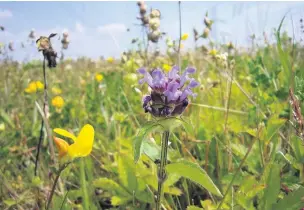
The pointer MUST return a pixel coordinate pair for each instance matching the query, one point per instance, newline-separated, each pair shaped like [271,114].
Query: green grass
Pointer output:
[237,149]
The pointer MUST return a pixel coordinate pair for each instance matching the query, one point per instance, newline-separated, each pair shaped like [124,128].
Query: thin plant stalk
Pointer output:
[44,122]
[226,122]
[180,34]
[49,201]
[83,184]
[237,172]
[162,168]
[38,146]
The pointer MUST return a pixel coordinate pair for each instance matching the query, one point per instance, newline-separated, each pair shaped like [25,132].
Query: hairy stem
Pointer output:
[162,168]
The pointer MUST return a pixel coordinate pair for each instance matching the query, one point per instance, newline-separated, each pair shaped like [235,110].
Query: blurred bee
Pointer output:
[2,28]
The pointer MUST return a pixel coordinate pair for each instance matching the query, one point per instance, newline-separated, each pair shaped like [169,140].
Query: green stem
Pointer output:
[54,185]
[236,173]
[162,168]
[83,185]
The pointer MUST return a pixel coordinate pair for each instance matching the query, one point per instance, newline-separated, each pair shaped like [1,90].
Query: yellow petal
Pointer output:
[62,146]
[65,133]
[84,143]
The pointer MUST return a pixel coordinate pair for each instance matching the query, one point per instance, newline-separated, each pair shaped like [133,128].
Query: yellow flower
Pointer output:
[184,37]
[31,88]
[98,77]
[58,102]
[213,52]
[56,90]
[82,145]
[39,85]
[166,67]
[110,59]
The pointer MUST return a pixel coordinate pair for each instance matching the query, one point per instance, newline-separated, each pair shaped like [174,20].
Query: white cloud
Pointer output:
[5,13]
[113,28]
[79,27]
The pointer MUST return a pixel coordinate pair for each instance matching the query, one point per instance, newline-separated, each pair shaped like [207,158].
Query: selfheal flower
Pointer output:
[169,95]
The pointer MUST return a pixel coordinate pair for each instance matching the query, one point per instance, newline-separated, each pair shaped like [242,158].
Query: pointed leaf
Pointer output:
[195,173]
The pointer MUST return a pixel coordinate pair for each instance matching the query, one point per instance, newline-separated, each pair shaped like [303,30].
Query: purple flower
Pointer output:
[169,96]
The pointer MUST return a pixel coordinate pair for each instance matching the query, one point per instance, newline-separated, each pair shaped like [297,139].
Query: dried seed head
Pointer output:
[139,3]
[155,13]
[11,46]
[143,9]
[145,20]
[208,22]
[154,23]
[206,33]
[32,34]
[154,36]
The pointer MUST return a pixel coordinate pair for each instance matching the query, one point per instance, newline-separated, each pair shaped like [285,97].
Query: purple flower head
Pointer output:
[169,96]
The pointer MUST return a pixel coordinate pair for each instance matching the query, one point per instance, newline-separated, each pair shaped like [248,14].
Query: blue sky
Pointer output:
[99,28]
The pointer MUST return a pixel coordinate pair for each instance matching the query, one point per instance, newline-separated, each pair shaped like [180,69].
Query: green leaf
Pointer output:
[282,54]
[195,173]
[272,186]
[6,118]
[193,208]
[292,201]
[110,185]
[138,142]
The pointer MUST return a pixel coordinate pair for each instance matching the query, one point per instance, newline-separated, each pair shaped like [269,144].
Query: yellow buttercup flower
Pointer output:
[58,102]
[82,144]
[110,59]
[213,52]
[98,77]
[184,36]
[39,85]
[56,90]
[166,67]
[33,87]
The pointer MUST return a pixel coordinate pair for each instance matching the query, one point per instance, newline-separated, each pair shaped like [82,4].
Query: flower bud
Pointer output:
[206,33]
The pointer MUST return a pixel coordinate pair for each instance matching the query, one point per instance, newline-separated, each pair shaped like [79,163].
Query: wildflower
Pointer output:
[213,52]
[56,91]
[34,86]
[166,67]
[98,77]
[39,85]
[31,88]
[58,102]
[82,144]
[184,37]
[169,95]
[110,59]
